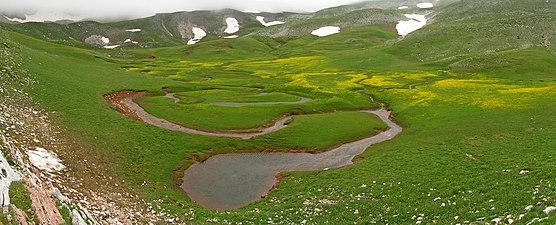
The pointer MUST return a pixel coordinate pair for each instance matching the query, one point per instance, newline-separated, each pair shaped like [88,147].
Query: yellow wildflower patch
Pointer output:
[535,90]
[380,81]
[490,102]
[416,97]
[352,83]
[417,76]
[298,63]
[460,83]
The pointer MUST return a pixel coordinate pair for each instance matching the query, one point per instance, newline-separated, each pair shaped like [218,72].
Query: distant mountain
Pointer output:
[472,27]
[169,29]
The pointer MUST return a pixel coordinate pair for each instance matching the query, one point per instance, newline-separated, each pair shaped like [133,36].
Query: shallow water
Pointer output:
[153,120]
[231,181]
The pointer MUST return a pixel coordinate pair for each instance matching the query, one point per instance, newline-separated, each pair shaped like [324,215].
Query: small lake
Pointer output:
[231,181]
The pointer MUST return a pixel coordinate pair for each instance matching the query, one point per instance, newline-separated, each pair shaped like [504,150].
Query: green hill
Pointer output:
[474,90]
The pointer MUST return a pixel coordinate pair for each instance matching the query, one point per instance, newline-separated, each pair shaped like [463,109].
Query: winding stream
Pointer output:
[231,181]
[123,101]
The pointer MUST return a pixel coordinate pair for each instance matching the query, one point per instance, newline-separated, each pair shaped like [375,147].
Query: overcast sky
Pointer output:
[139,8]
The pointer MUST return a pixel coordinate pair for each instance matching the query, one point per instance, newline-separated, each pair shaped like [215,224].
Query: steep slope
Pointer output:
[473,27]
[168,29]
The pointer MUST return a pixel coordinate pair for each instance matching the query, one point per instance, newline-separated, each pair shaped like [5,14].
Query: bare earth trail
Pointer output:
[232,181]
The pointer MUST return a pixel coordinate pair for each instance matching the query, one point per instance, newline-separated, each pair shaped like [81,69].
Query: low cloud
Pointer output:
[141,8]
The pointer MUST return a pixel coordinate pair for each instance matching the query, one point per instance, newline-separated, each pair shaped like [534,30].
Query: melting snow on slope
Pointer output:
[231,37]
[403,7]
[414,23]
[8,175]
[105,40]
[425,5]
[273,23]
[233,25]
[133,30]
[325,31]
[130,41]
[111,46]
[198,35]
[45,160]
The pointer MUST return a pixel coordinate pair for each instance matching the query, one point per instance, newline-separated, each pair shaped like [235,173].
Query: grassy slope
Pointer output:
[467,137]
[72,82]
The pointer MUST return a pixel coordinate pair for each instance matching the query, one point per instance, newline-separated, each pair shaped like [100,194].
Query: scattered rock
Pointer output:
[97,40]
[76,218]
[20,216]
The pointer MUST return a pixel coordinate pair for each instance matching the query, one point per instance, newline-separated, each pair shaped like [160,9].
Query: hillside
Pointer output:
[453,123]
[170,29]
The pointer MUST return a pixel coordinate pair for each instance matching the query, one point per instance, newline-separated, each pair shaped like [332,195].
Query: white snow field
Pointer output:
[415,22]
[45,160]
[273,23]
[425,5]
[326,31]
[198,35]
[232,25]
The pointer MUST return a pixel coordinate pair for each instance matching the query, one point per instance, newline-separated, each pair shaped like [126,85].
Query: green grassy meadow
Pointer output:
[471,126]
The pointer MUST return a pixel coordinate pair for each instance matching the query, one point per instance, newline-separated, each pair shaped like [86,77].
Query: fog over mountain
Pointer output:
[78,9]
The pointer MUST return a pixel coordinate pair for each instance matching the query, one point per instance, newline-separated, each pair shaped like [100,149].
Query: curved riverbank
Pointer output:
[231,181]
[123,101]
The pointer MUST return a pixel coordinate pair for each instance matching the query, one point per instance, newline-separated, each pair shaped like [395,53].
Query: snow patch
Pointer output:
[232,25]
[403,7]
[130,41]
[45,160]
[425,5]
[8,176]
[325,31]
[198,35]
[416,22]
[105,40]
[231,37]
[134,30]
[273,23]
[111,46]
